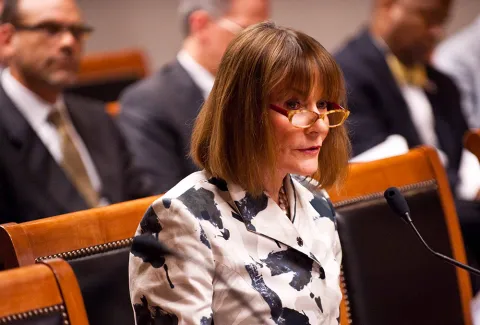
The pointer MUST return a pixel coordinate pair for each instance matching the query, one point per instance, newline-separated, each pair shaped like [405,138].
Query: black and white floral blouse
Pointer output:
[286,271]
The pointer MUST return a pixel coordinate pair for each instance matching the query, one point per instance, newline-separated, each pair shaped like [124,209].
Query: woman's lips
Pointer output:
[310,150]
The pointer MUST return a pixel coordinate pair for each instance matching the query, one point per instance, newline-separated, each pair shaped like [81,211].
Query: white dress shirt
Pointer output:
[459,57]
[202,78]
[35,110]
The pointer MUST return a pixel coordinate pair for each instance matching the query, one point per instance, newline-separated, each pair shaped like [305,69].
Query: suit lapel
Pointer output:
[443,104]
[394,102]
[31,157]
[264,217]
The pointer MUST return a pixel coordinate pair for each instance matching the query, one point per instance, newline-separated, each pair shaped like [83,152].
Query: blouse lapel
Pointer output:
[264,217]
[314,221]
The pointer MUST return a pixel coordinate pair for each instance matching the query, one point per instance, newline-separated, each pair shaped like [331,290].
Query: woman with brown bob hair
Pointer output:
[257,246]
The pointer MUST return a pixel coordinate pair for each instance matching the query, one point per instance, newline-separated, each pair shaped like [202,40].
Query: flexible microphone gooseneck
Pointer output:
[396,201]
[154,247]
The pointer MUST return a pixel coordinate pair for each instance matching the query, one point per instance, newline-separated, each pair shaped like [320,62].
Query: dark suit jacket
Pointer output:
[33,186]
[378,108]
[157,116]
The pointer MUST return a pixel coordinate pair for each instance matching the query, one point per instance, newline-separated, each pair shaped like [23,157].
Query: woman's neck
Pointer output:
[272,187]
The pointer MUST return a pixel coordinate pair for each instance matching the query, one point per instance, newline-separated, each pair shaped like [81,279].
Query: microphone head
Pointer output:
[396,201]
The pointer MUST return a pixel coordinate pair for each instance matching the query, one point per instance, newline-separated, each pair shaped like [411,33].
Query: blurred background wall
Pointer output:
[152,25]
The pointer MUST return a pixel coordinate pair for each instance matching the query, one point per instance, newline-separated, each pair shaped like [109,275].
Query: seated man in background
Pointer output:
[157,114]
[459,57]
[58,153]
[399,101]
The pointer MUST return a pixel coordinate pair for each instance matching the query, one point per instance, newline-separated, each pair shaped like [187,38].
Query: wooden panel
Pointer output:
[113,65]
[72,231]
[28,288]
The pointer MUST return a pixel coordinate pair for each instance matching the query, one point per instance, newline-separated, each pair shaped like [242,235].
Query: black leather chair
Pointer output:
[389,277]
[42,294]
[96,243]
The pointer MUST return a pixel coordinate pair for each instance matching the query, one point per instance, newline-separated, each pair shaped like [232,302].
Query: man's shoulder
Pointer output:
[85,105]
[90,115]
[441,79]
[161,85]
[84,100]
[353,47]
[358,57]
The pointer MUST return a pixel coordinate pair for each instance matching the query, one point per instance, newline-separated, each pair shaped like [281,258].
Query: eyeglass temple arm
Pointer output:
[279,109]
[336,106]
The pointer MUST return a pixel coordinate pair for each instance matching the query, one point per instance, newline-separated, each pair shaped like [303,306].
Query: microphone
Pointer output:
[396,201]
[153,247]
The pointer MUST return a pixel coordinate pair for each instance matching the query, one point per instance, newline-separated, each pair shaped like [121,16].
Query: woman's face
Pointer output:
[298,148]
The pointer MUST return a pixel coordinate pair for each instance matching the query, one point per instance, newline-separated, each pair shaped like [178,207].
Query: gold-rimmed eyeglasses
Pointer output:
[304,118]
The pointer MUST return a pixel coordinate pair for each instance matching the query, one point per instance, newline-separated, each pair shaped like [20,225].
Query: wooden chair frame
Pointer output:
[72,235]
[39,290]
[419,165]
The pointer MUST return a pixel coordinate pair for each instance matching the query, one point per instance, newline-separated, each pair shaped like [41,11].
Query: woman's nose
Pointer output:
[321,126]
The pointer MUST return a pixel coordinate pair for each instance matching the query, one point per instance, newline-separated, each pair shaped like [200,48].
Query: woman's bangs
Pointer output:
[330,78]
[310,77]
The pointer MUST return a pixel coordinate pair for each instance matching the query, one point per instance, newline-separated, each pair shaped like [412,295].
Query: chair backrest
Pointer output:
[104,76]
[96,244]
[471,141]
[388,276]
[41,294]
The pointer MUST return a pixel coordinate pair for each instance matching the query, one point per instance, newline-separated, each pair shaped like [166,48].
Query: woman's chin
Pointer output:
[306,170]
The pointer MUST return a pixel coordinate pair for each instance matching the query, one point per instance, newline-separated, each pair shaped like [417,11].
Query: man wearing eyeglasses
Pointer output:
[58,153]
[157,114]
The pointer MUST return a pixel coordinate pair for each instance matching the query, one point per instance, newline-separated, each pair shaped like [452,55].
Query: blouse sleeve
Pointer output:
[168,289]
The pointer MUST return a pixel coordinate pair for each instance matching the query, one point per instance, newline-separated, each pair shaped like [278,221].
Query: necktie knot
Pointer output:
[415,75]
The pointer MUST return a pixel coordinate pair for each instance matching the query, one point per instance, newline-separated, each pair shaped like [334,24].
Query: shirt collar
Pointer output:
[202,78]
[33,108]
[416,75]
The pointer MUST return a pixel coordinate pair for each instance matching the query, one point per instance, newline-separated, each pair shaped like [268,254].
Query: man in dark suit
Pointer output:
[377,97]
[157,114]
[399,101]
[58,153]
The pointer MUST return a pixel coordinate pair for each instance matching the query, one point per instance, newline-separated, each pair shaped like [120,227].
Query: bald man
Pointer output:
[157,113]
[399,101]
